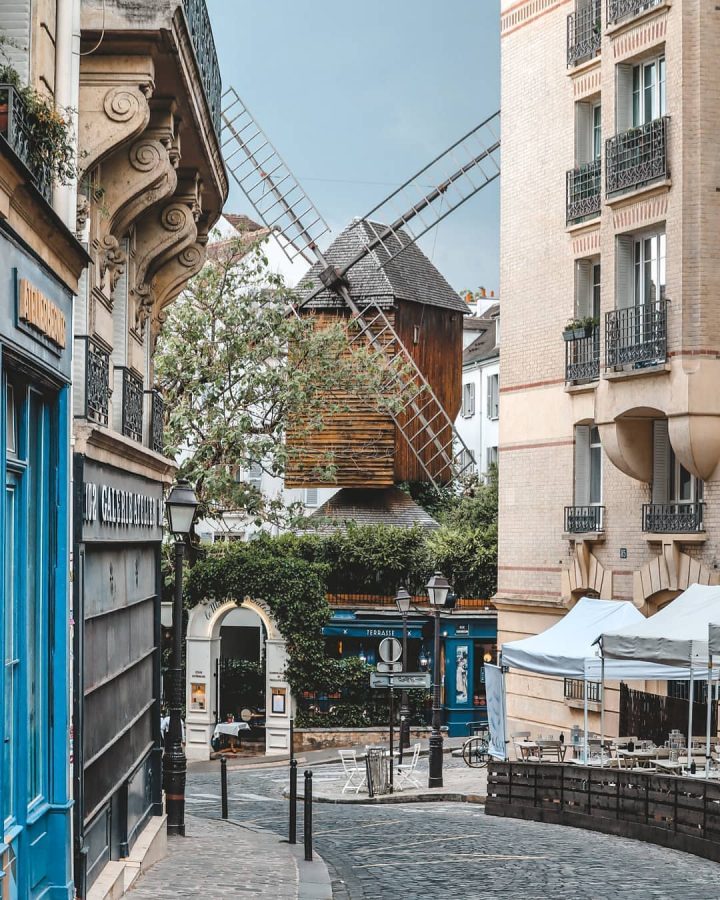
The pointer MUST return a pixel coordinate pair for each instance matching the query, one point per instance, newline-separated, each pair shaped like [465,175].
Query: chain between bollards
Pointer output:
[292,836]
[307,815]
[223,787]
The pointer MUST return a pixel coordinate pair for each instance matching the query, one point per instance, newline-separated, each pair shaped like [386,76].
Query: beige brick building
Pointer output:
[609,436]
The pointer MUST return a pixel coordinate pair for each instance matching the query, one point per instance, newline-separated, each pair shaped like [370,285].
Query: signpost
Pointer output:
[403,681]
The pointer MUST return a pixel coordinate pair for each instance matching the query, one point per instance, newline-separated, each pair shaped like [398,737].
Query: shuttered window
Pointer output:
[583,288]
[583,133]
[468,406]
[15,17]
[311,496]
[493,396]
[588,466]
[492,456]
[624,271]
[661,462]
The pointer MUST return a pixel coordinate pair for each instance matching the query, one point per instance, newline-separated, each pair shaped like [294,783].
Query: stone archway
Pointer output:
[203,651]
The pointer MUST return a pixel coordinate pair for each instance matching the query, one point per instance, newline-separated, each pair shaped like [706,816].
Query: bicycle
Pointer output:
[475,751]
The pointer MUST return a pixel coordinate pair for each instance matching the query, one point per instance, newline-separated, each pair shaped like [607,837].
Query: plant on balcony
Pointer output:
[580,328]
[50,145]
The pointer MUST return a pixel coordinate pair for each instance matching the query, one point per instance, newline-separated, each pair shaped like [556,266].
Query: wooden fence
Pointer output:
[652,717]
[682,813]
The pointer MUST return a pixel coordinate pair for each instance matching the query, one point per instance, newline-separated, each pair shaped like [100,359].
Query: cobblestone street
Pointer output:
[451,850]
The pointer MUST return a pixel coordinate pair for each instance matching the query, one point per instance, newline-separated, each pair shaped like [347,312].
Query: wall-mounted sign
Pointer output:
[116,506]
[119,506]
[43,317]
[278,701]
[197,696]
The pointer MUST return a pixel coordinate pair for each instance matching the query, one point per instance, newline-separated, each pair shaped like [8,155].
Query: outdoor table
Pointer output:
[232,729]
[527,748]
[639,757]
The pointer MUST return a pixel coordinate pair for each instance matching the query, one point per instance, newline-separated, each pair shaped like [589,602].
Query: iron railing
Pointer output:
[584,32]
[584,519]
[636,157]
[582,357]
[17,131]
[97,384]
[582,192]
[636,335]
[624,9]
[669,518]
[198,22]
[157,422]
[132,406]
[575,690]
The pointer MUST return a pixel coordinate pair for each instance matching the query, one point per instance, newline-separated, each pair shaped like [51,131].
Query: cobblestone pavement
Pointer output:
[452,851]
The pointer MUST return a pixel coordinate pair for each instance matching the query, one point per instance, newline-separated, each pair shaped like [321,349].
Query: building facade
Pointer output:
[610,427]
[152,184]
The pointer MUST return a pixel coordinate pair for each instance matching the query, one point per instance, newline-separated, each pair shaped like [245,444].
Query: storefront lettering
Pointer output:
[42,314]
[114,506]
[381,632]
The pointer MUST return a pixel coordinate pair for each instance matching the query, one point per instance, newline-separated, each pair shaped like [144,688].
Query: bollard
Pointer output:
[292,837]
[307,815]
[223,787]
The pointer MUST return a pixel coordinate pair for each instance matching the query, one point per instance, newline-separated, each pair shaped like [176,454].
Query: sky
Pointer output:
[358,97]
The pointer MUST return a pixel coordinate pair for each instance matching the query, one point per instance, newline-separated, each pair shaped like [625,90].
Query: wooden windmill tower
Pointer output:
[375,278]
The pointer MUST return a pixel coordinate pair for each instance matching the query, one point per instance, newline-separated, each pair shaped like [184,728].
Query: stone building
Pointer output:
[152,183]
[610,432]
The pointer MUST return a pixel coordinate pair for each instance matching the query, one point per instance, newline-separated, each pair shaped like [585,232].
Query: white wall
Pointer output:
[478,431]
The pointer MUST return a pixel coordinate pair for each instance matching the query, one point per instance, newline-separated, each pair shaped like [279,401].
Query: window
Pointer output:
[596,131]
[492,457]
[493,396]
[468,401]
[672,483]
[467,459]
[588,466]
[311,496]
[587,289]
[253,476]
[588,133]
[648,97]
[640,269]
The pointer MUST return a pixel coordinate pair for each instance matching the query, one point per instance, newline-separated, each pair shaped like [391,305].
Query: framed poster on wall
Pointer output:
[278,705]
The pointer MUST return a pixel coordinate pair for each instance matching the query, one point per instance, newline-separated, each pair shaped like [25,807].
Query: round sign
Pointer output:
[246,715]
[390,650]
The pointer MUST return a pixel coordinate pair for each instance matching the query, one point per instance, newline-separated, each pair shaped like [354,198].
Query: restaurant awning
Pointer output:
[370,630]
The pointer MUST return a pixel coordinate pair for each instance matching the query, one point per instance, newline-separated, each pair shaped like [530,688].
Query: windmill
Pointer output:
[420,419]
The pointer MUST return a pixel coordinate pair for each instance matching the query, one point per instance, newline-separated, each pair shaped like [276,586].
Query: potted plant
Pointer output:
[576,329]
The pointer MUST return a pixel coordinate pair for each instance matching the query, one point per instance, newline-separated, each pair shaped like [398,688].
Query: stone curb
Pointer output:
[445,797]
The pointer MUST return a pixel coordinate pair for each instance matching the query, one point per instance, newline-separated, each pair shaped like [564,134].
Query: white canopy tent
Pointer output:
[675,636]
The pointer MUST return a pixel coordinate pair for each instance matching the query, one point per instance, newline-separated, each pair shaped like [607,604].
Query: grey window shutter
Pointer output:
[661,462]
[471,399]
[583,133]
[489,398]
[623,98]
[582,465]
[583,288]
[15,16]
[624,271]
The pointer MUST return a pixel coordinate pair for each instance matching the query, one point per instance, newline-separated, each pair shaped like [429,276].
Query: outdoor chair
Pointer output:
[550,750]
[516,737]
[406,771]
[354,772]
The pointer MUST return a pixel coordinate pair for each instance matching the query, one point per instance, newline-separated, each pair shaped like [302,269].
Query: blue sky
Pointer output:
[357,97]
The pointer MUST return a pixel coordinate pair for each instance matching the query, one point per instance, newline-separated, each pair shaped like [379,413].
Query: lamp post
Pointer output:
[402,601]
[438,589]
[180,506]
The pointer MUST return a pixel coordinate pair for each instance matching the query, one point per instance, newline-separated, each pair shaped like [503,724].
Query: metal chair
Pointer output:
[354,772]
[516,737]
[406,771]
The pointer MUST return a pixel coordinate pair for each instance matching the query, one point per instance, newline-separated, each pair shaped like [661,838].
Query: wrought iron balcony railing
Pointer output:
[625,9]
[575,690]
[671,518]
[582,357]
[636,157]
[636,335]
[132,406]
[157,422]
[584,32]
[15,128]
[583,192]
[97,384]
[198,22]
[584,519]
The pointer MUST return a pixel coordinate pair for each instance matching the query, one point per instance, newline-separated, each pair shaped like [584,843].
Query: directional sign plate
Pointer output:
[408,681]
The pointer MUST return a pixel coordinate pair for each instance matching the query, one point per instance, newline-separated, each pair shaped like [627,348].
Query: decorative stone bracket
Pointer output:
[586,572]
[672,570]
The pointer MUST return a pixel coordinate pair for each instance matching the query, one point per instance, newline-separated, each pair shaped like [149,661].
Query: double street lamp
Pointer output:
[438,589]
[180,506]
[402,601]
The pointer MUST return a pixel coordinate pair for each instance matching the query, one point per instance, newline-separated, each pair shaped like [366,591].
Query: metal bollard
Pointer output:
[307,815]
[223,787]
[292,837]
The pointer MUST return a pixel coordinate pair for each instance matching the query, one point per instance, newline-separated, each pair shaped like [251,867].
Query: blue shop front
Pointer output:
[35,353]
[468,639]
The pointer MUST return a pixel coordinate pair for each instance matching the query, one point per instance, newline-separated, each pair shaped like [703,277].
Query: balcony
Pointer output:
[15,128]
[636,157]
[636,335]
[97,384]
[156,437]
[582,358]
[201,35]
[584,519]
[617,10]
[672,518]
[132,406]
[584,33]
[582,192]
[575,690]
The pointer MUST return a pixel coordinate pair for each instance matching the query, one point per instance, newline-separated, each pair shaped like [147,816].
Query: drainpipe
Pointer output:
[67,94]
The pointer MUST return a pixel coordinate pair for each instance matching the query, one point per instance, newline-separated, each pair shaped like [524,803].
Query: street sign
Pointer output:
[389,667]
[403,681]
[390,650]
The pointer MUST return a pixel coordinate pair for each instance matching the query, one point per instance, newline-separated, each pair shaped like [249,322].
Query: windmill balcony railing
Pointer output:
[617,10]
[672,518]
[636,335]
[132,406]
[584,32]
[584,519]
[15,129]
[582,357]
[201,35]
[636,157]
[583,192]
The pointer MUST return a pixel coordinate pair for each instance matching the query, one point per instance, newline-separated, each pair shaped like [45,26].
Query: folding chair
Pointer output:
[406,771]
[354,772]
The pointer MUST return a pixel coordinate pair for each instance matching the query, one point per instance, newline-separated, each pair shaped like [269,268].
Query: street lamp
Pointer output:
[402,601]
[180,506]
[438,589]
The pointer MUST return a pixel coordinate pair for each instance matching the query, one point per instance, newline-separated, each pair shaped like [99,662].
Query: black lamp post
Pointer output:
[402,601]
[180,507]
[438,589]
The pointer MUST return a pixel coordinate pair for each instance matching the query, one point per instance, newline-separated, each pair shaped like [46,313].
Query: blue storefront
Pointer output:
[35,353]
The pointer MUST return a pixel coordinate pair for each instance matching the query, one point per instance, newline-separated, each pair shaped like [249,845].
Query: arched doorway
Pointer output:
[201,695]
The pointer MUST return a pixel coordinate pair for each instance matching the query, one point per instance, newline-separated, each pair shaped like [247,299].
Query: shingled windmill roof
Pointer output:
[410,276]
[366,506]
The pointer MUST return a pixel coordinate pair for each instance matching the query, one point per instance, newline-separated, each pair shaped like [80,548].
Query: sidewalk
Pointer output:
[220,858]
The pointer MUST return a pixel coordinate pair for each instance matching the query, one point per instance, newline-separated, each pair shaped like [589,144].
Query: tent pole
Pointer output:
[690,717]
[585,717]
[709,716]
[602,710]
